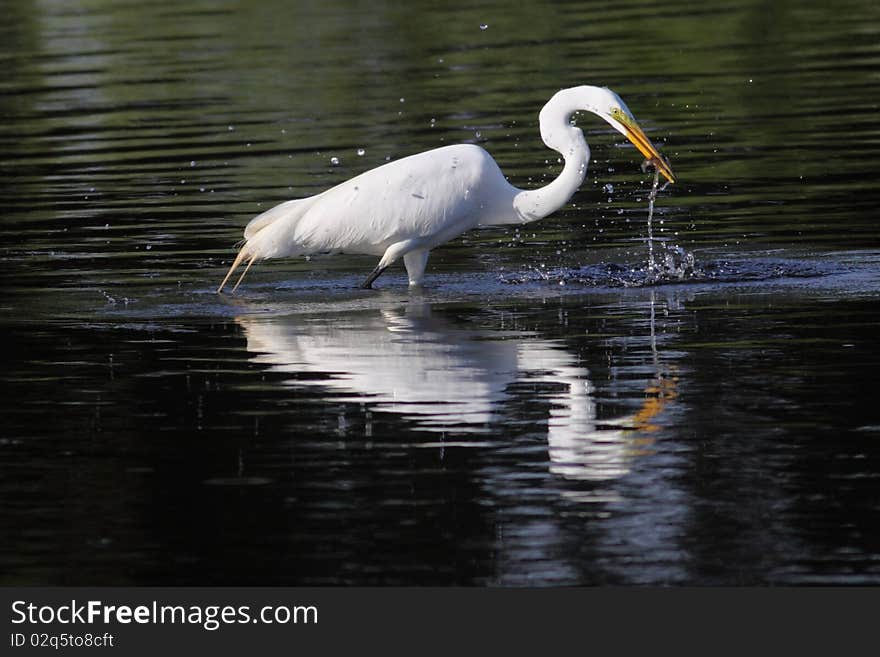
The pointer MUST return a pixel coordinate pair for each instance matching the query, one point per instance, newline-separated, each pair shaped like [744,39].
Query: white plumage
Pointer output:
[407,207]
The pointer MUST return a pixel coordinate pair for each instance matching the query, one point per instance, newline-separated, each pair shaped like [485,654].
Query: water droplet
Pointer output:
[149,246]
[334,161]
[192,163]
[484,26]
[361,152]
[609,188]
[230,128]
[477,134]
[402,99]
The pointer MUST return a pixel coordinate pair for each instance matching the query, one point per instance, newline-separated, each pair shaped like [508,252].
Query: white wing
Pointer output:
[435,196]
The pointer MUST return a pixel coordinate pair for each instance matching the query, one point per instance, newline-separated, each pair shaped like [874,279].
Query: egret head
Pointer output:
[612,108]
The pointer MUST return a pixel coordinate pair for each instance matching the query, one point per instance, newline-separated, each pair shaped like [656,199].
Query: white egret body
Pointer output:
[407,207]
[452,380]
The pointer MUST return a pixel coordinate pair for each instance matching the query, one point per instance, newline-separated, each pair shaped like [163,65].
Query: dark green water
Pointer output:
[533,415]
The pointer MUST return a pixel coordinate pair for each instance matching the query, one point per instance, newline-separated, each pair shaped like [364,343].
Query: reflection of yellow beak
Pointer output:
[661,392]
[636,136]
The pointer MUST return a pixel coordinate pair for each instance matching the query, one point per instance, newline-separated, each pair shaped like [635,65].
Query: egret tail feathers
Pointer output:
[246,270]
[235,263]
[289,210]
[255,241]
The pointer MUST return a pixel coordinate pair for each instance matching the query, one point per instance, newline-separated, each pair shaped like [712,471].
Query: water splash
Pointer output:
[677,265]
[651,198]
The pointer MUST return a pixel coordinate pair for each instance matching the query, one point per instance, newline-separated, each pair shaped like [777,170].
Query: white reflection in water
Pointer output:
[453,380]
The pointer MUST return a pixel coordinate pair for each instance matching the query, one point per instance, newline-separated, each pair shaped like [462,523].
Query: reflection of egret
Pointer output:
[447,379]
[573,434]
[402,363]
[406,208]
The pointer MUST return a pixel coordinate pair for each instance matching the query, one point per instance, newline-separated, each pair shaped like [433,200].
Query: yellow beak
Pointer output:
[640,140]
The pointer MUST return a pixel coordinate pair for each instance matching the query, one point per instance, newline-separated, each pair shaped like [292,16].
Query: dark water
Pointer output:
[536,414]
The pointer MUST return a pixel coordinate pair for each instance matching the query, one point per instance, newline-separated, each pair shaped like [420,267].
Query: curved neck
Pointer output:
[558,134]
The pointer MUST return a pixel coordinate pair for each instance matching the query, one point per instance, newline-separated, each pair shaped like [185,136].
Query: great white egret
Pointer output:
[407,207]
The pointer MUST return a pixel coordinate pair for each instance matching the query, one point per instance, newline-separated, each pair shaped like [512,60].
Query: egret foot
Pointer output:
[377,272]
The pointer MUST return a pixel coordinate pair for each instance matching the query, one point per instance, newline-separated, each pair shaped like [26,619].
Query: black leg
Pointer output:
[377,272]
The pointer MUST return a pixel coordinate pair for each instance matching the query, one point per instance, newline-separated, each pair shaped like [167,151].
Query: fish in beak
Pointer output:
[627,125]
